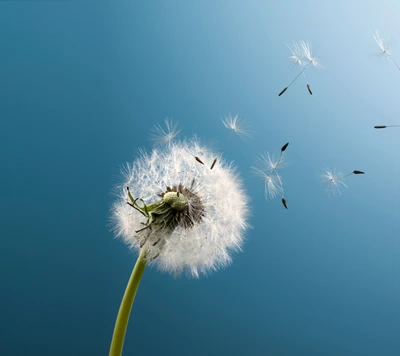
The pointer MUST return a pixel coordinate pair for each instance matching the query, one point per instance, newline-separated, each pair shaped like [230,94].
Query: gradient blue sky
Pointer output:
[83,83]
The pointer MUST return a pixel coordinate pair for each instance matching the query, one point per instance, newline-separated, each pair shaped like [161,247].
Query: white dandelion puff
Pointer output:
[164,137]
[196,239]
[237,125]
[385,48]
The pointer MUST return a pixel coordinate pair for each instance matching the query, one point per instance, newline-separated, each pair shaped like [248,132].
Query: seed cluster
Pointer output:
[179,213]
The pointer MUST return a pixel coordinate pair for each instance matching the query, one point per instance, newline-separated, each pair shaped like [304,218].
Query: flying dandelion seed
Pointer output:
[179,215]
[270,163]
[296,57]
[284,147]
[266,167]
[335,180]
[385,126]
[213,163]
[306,46]
[272,184]
[164,137]
[284,203]
[237,126]
[301,54]
[385,48]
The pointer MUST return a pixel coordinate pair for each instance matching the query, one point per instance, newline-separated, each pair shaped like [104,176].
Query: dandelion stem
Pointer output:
[117,341]
[393,60]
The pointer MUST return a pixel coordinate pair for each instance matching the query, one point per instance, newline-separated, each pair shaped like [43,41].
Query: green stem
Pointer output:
[121,323]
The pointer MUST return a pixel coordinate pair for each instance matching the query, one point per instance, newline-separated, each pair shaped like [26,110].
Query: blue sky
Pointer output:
[83,84]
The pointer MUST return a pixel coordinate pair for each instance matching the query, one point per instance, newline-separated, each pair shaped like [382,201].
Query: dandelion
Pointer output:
[302,55]
[164,137]
[237,126]
[384,47]
[266,167]
[335,180]
[179,215]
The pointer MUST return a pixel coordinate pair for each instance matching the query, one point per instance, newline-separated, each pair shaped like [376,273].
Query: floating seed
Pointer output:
[198,160]
[309,89]
[284,203]
[213,164]
[284,146]
[282,91]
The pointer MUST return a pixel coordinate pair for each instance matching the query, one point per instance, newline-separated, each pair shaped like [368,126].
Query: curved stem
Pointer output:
[121,323]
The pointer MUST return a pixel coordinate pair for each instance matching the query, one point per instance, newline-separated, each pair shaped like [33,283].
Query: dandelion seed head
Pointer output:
[237,126]
[201,213]
[334,181]
[164,137]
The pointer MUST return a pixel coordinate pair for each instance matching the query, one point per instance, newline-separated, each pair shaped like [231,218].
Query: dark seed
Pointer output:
[380,127]
[199,160]
[213,164]
[284,203]
[282,91]
[309,89]
[284,146]
[358,172]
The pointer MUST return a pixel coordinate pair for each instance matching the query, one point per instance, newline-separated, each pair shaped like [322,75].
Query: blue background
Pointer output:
[81,86]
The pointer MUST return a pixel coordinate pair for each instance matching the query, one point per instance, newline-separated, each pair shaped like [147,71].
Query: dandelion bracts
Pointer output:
[174,211]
